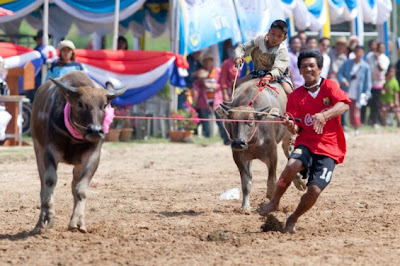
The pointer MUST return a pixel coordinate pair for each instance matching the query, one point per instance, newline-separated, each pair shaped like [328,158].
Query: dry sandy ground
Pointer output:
[157,204]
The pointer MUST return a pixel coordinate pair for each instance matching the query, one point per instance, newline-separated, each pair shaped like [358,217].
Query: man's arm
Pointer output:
[323,117]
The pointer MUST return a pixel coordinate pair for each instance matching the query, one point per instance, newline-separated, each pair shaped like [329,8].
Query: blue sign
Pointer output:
[206,22]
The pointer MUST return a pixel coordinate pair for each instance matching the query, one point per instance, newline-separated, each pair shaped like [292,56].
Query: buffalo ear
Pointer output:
[66,89]
[112,92]
[262,110]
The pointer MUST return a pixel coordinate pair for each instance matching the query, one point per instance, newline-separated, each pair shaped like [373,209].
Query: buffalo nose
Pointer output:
[239,144]
[94,129]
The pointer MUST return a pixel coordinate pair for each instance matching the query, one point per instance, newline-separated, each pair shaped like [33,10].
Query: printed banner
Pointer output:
[206,22]
[255,17]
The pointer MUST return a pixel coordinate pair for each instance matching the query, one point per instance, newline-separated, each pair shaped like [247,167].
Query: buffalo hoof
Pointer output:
[77,226]
[244,210]
[267,208]
[77,229]
[46,221]
[37,230]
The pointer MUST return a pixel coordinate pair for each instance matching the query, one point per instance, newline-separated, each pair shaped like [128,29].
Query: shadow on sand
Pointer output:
[18,236]
[182,213]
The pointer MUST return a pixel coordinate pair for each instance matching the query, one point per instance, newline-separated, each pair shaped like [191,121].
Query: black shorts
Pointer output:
[319,168]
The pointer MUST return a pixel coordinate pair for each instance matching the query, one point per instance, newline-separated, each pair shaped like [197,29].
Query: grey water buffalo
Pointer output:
[67,126]
[251,140]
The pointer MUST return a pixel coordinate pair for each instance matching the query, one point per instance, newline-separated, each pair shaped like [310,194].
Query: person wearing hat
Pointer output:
[353,43]
[338,56]
[66,62]
[208,90]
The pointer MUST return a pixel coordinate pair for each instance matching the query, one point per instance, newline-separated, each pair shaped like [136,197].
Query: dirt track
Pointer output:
[158,204]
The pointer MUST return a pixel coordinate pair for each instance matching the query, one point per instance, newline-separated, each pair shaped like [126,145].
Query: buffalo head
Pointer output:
[241,133]
[88,103]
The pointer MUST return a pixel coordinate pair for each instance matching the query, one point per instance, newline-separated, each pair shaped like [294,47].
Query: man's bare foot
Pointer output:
[290,225]
[267,208]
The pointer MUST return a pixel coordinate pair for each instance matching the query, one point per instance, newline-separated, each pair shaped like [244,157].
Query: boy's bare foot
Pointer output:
[267,208]
[290,225]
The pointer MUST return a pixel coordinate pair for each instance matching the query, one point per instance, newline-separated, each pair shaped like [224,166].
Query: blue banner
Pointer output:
[255,17]
[99,6]
[206,22]
[16,6]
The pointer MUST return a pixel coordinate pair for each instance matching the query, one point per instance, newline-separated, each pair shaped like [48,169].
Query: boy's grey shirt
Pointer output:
[274,60]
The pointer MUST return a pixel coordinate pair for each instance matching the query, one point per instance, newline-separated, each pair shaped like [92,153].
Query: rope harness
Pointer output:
[262,84]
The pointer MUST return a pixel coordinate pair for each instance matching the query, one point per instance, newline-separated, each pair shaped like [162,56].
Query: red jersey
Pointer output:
[301,104]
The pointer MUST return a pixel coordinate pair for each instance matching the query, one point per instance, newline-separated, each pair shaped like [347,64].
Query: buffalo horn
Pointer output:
[225,107]
[64,86]
[261,110]
[112,92]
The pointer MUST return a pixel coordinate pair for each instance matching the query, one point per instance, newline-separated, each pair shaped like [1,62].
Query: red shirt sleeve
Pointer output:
[337,94]
[291,106]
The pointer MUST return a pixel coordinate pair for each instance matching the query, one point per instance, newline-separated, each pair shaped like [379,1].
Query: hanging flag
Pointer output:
[145,73]
[17,56]
[5,12]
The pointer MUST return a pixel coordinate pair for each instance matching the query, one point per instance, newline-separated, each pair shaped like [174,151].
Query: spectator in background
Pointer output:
[189,93]
[294,51]
[311,43]
[228,74]
[372,45]
[353,43]
[227,49]
[379,64]
[122,43]
[390,97]
[398,66]
[194,65]
[38,78]
[338,57]
[206,87]
[66,63]
[323,48]
[303,38]
[355,78]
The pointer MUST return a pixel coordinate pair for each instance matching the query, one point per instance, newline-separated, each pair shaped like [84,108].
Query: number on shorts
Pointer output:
[326,175]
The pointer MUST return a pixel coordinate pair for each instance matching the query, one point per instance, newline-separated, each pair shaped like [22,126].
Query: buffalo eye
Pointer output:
[250,122]
[80,104]
[104,106]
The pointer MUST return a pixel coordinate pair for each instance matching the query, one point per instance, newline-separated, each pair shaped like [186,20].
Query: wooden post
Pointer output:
[27,76]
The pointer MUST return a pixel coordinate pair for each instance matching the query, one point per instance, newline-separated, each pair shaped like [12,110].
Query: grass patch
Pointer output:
[196,140]
[15,151]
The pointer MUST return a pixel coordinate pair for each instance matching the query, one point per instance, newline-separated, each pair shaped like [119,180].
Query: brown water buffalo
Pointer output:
[251,140]
[54,143]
